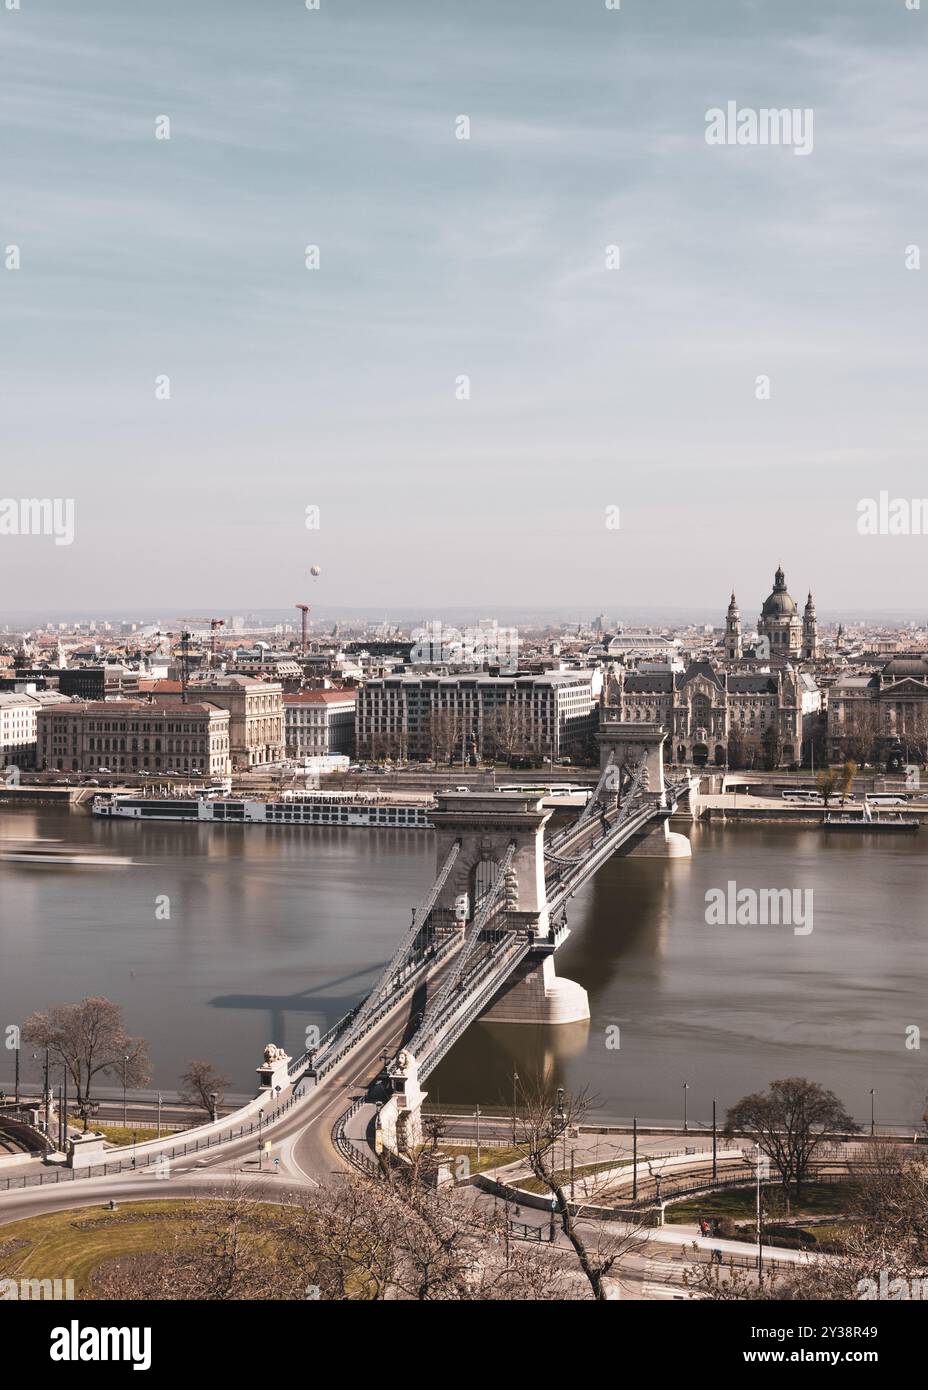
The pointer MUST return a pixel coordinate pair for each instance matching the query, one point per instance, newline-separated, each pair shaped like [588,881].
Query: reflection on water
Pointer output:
[272,929]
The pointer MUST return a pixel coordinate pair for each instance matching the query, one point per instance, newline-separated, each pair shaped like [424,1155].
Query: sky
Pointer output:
[596,394]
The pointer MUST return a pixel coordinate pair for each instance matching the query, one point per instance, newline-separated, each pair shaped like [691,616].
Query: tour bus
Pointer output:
[809,798]
[887,799]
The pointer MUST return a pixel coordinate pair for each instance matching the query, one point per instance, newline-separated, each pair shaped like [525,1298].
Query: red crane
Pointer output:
[304,610]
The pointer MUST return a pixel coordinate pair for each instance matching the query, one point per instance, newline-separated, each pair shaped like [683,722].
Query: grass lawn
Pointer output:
[70,1244]
[116,1134]
[817,1199]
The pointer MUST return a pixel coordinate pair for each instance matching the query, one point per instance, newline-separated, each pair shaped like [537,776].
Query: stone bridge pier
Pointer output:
[625,744]
[486,824]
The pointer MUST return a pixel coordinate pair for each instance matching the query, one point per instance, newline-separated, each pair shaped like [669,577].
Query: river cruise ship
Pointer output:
[325,808]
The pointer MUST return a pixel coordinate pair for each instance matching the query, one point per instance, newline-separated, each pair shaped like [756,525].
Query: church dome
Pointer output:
[779,604]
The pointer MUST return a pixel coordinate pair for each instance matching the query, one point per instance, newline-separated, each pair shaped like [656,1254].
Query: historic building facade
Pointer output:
[256,714]
[711,715]
[869,714]
[131,736]
[320,722]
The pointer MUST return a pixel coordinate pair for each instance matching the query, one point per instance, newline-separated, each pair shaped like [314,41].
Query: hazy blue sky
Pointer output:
[439,257]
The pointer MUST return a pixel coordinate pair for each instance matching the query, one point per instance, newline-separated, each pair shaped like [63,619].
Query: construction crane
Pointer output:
[214,625]
[184,664]
[304,610]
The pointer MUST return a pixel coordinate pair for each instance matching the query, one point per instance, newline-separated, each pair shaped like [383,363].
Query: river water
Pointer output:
[271,929]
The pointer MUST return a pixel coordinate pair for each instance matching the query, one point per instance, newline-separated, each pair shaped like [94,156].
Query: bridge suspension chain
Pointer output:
[404,949]
[625,810]
[605,777]
[479,920]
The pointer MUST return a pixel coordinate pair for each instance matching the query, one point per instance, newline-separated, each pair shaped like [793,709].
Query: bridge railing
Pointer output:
[447,948]
[486,979]
[346,1148]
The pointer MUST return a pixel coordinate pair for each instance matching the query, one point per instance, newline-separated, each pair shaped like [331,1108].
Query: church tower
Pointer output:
[733,630]
[809,631]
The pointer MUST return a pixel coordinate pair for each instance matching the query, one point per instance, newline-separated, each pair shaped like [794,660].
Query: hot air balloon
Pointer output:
[315,571]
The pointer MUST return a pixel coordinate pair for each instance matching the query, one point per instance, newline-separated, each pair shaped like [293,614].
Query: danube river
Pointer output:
[217,940]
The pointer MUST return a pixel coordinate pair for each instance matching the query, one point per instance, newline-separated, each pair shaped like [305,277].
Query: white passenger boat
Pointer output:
[354,809]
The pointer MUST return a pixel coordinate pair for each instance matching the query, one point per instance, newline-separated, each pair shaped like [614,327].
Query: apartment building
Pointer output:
[441,718]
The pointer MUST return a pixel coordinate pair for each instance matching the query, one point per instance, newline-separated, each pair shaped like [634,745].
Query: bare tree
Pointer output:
[200,1083]
[789,1121]
[89,1038]
[540,1123]
[846,778]
[827,781]
[354,1239]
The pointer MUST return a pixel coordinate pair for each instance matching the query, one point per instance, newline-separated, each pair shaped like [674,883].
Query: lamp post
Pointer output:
[686,1087]
[16,1082]
[715,1166]
[872,1120]
[47,1096]
[477,1117]
[760,1258]
[563,1127]
[635,1158]
[125,1070]
[515,1082]
[260,1150]
[159,1114]
[213,1098]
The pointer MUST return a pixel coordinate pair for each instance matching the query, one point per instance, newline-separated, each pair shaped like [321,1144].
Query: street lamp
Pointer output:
[125,1068]
[563,1127]
[159,1114]
[213,1098]
[872,1124]
[260,1150]
[47,1094]
[760,1258]
[515,1082]
[686,1087]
